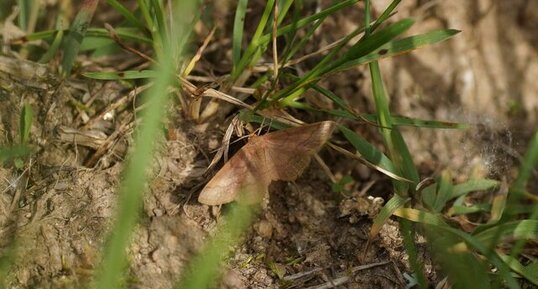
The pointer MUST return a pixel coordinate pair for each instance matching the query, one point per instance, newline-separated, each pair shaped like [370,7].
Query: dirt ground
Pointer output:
[60,205]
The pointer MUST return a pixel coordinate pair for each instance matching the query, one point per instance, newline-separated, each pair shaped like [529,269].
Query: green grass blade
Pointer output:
[308,20]
[396,120]
[129,74]
[473,186]
[25,11]
[54,47]
[407,230]
[128,15]
[528,272]
[386,126]
[283,7]
[367,150]
[401,46]
[162,28]
[237,36]
[530,161]
[517,230]
[408,166]
[462,267]
[518,188]
[373,42]
[463,210]
[419,216]
[443,192]
[130,194]
[205,268]
[385,15]
[334,98]
[76,34]
[123,33]
[415,122]
[292,49]
[388,209]
[152,25]
[148,18]
[96,43]
[130,200]
[27,117]
[255,47]
[490,255]
[328,63]
[475,243]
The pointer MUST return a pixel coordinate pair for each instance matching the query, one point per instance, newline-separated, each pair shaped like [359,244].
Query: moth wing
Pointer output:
[240,178]
[288,152]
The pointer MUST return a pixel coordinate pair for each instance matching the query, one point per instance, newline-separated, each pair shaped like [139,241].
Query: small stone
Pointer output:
[264,229]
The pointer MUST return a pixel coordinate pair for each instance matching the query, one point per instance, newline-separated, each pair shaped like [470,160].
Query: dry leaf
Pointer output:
[281,155]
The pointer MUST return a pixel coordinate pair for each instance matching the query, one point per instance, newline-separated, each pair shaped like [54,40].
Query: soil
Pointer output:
[61,203]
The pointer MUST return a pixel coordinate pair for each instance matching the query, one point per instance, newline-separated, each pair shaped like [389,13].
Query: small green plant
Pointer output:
[17,152]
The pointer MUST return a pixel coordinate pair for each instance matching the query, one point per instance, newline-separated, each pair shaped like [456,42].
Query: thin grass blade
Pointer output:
[422,123]
[237,36]
[308,20]
[516,230]
[463,268]
[27,117]
[328,63]
[128,15]
[76,34]
[408,166]
[205,268]
[473,186]
[388,210]
[131,191]
[255,47]
[528,272]
[401,46]
[373,42]
[25,11]
[367,150]
[128,74]
[419,216]
[518,188]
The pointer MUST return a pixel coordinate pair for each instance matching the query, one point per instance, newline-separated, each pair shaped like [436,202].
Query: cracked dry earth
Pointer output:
[60,204]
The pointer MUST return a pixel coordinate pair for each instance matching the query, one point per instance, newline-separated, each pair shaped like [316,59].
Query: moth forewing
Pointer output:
[281,155]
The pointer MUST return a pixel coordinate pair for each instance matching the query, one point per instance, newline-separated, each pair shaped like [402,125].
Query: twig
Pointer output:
[341,280]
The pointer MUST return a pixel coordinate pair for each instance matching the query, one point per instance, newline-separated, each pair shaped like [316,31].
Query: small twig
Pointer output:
[367,163]
[19,189]
[117,39]
[341,280]
[108,143]
[275,50]
[301,274]
[120,102]
[199,52]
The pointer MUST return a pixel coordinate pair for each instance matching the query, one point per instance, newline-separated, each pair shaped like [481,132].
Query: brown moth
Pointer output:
[281,155]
